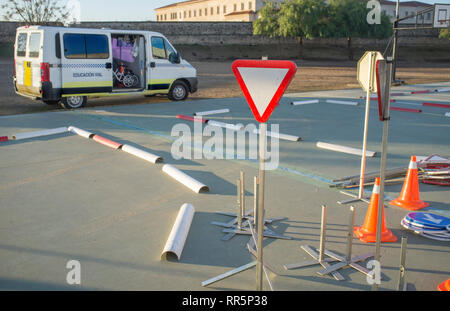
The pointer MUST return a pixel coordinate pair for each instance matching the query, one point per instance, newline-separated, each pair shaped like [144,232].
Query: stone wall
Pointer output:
[230,40]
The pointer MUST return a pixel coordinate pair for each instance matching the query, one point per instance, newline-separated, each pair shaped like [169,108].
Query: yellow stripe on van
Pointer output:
[88,84]
[27,73]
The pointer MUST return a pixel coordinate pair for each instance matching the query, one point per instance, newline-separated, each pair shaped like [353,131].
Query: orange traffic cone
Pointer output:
[444,286]
[368,232]
[409,197]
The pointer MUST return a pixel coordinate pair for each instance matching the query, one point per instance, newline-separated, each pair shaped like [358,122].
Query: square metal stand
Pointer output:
[318,257]
[241,222]
[252,243]
[348,260]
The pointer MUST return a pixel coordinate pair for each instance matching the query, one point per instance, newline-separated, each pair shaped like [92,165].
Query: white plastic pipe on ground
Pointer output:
[144,155]
[80,132]
[185,179]
[233,127]
[447,114]
[179,232]
[54,131]
[344,149]
[279,135]
[443,90]
[341,102]
[305,102]
[205,113]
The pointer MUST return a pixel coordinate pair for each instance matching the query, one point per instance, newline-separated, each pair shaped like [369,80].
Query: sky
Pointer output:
[132,10]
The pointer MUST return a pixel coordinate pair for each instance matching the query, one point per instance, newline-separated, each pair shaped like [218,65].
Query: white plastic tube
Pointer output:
[447,114]
[233,127]
[279,135]
[54,131]
[144,155]
[305,102]
[344,149]
[179,232]
[443,90]
[80,132]
[185,179]
[341,102]
[205,113]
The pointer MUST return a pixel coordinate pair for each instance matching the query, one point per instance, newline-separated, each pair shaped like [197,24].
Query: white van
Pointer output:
[67,65]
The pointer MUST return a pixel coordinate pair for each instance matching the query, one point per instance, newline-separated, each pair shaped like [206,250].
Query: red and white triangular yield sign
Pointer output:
[263,82]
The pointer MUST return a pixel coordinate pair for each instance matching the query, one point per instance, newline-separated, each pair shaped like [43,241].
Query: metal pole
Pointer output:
[323,229]
[238,214]
[395,43]
[366,123]
[260,220]
[383,172]
[401,279]
[351,223]
[242,199]
[255,201]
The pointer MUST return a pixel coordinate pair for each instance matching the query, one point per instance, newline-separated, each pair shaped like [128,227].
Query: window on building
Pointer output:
[235,7]
[242,6]
[406,13]
[249,5]
[200,12]
[206,11]
[224,9]
[212,11]
[189,13]
[195,13]
[428,16]
[184,14]
[218,10]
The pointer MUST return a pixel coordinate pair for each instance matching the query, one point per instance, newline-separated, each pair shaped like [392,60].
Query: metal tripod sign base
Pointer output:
[318,257]
[348,260]
[250,246]
[355,197]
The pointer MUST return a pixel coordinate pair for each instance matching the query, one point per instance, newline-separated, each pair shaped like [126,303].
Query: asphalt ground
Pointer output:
[64,197]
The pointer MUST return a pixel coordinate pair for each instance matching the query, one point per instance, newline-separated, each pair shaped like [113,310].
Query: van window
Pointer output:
[97,46]
[34,45]
[78,46]
[57,46]
[74,45]
[21,44]
[158,48]
[161,48]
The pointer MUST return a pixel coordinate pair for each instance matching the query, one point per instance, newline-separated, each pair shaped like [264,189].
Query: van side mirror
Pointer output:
[174,58]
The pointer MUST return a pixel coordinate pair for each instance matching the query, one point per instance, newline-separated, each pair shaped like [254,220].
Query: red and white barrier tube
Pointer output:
[305,102]
[341,102]
[185,179]
[193,119]
[406,109]
[54,131]
[107,142]
[3,138]
[144,155]
[180,229]
[436,105]
[205,113]
[80,132]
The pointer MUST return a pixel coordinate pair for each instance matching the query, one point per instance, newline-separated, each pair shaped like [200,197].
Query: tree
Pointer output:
[444,34]
[36,12]
[303,18]
[267,23]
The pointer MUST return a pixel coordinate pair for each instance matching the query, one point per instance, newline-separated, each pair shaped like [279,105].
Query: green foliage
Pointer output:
[267,24]
[444,34]
[36,12]
[314,18]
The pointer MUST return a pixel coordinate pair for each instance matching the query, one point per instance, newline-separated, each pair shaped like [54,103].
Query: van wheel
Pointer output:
[178,91]
[73,102]
[51,102]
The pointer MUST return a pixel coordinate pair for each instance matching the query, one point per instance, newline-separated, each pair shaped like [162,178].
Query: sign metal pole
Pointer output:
[260,215]
[386,117]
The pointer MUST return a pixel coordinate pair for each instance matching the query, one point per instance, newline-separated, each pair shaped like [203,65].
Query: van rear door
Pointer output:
[86,63]
[28,58]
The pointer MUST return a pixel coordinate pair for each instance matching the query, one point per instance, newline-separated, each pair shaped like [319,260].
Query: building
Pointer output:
[247,10]
[407,8]
[210,11]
